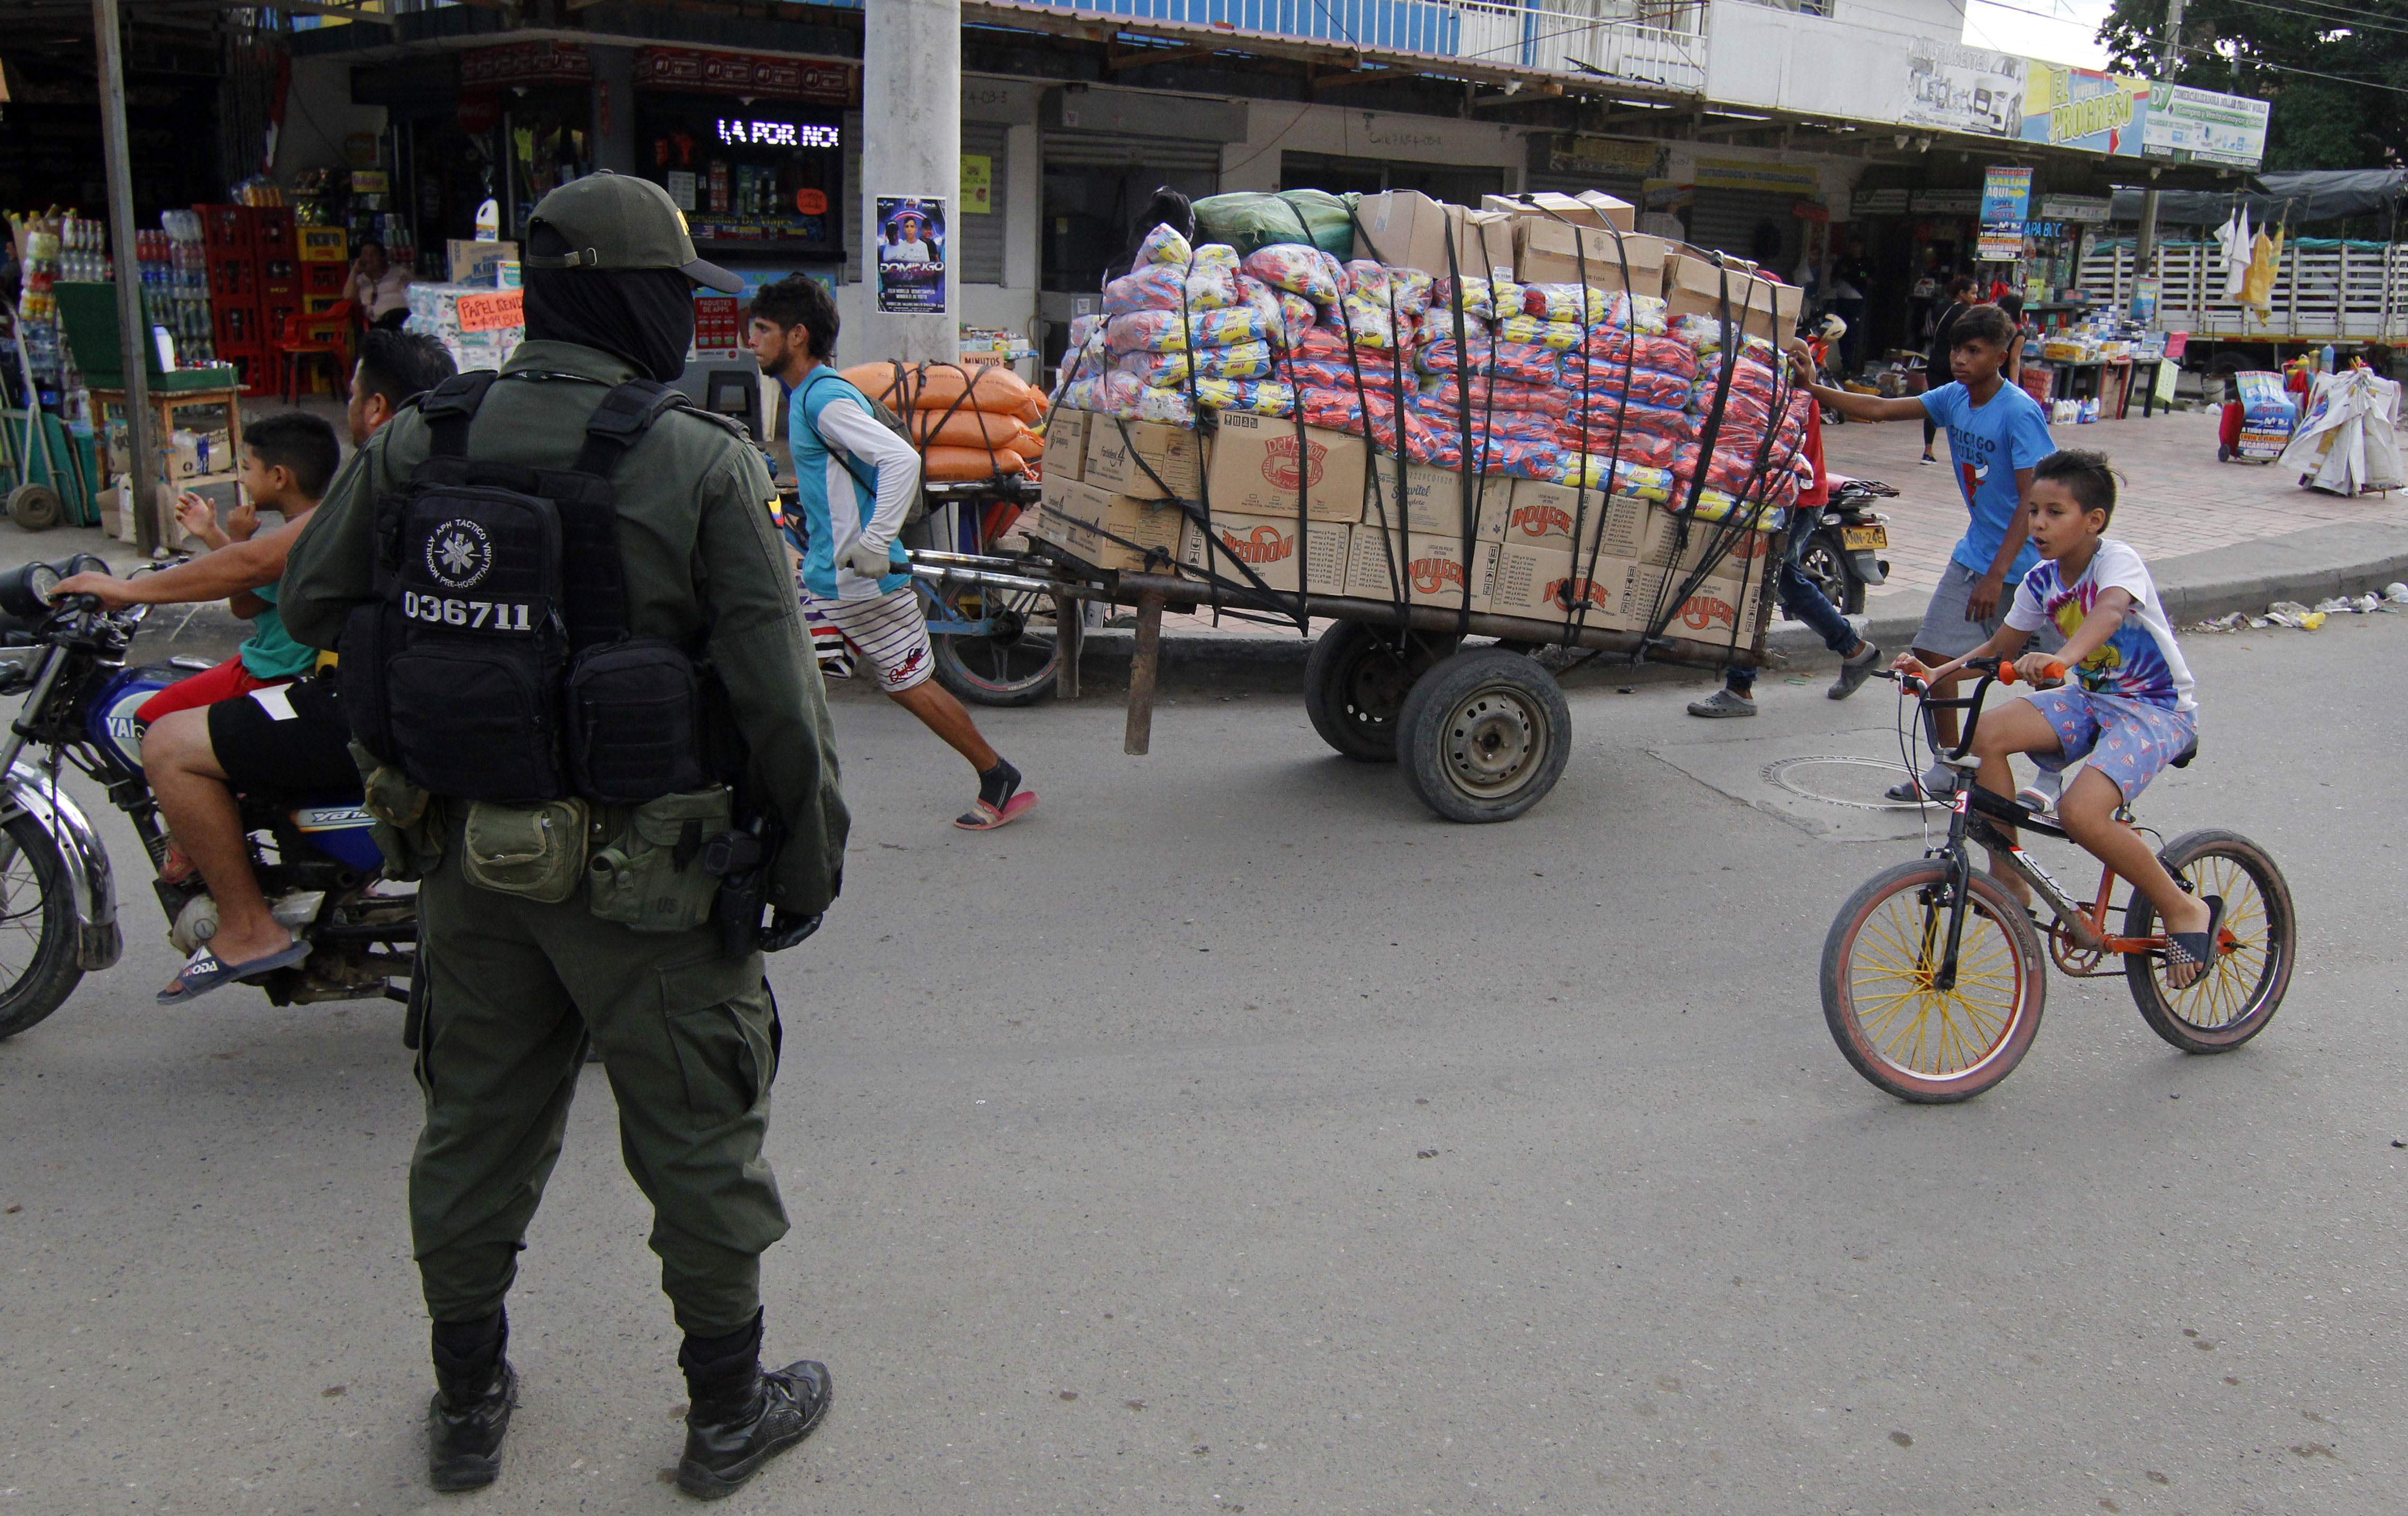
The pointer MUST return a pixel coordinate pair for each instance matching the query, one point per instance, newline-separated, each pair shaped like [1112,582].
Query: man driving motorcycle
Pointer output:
[258,734]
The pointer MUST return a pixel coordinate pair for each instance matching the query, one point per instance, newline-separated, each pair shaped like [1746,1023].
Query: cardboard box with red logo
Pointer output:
[1256,470]
[1434,569]
[1268,545]
[1434,499]
[1544,582]
[1713,610]
[1144,459]
[1543,515]
[1743,554]
[1066,444]
[1111,531]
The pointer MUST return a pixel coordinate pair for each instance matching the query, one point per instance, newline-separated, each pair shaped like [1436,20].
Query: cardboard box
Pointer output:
[1541,583]
[1611,209]
[1434,499]
[1772,313]
[479,263]
[1746,555]
[1433,567]
[1269,546]
[1256,470]
[1111,531]
[1173,454]
[1545,205]
[193,454]
[1406,229]
[1711,612]
[1551,253]
[1543,516]
[1693,286]
[1066,444]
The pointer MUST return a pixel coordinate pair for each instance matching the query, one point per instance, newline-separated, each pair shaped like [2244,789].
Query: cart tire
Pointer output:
[1356,685]
[1483,736]
[36,507]
[1824,561]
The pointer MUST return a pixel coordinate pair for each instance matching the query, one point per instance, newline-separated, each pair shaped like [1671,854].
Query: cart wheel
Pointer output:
[35,507]
[1354,685]
[1483,736]
[1015,664]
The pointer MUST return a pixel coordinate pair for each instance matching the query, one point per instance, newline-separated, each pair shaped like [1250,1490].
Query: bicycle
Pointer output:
[1932,980]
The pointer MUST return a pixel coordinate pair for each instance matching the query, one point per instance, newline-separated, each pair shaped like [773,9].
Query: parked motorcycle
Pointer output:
[1842,555]
[317,862]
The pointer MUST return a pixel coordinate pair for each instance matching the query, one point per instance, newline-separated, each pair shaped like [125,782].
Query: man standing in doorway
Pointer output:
[854,480]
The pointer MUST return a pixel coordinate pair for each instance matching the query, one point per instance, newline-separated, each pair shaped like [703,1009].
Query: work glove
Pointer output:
[870,560]
[787,927]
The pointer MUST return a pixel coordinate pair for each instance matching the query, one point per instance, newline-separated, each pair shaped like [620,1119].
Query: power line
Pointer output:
[2299,9]
[2285,69]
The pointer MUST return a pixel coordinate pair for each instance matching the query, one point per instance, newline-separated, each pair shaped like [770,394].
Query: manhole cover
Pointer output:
[1857,783]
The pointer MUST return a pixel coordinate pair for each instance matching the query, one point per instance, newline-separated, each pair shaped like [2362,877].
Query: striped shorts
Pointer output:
[888,632]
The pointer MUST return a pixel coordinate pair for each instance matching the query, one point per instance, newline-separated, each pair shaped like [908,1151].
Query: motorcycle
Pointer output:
[1842,553]
[317,861]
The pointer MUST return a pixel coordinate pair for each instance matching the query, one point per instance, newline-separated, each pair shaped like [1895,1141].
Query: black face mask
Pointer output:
[643,315]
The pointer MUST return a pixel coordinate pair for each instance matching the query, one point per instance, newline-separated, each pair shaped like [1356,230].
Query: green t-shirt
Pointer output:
[271,653]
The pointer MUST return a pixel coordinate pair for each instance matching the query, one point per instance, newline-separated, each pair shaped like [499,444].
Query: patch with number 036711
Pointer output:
[472,615]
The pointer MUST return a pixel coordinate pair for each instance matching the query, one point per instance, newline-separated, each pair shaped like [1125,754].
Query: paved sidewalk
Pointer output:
[2176,498]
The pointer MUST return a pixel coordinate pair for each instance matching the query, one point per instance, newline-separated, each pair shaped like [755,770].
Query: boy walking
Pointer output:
[855,480]
[2128,709]
[1997,434]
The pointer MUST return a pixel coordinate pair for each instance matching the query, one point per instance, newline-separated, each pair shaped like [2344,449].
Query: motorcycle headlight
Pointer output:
[26,591]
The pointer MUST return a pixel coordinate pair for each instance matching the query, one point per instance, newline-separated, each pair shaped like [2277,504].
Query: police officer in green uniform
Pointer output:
[581,877]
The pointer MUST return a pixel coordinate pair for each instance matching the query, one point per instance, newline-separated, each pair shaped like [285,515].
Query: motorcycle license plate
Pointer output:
[1859,539]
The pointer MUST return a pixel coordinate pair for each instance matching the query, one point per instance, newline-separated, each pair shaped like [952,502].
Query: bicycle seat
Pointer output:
[2182,760]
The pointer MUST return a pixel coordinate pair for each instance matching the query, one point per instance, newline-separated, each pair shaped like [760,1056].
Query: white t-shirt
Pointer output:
[2142,661]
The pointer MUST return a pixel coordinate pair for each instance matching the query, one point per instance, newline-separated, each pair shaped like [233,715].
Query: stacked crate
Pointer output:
[238,284]
[325,267]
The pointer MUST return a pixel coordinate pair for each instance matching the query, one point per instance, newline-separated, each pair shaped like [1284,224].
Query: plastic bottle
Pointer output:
[2325,359]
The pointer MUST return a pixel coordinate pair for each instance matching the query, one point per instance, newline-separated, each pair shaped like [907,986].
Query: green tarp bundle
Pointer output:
[1247,219]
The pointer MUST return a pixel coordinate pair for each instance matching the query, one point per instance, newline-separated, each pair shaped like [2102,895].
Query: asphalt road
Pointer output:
[1233,1136]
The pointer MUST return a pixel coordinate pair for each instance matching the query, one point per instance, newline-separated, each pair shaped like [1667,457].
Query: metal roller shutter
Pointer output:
[978,239]
[1622,189]
[1167,156]
[1729,221]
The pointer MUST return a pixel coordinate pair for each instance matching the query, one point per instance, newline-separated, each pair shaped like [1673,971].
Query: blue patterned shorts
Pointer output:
[2130,742]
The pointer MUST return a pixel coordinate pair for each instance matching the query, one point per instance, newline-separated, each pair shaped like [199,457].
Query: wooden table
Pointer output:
[164,404]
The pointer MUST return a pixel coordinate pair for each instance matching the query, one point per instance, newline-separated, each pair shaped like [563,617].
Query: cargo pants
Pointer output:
[689,1039]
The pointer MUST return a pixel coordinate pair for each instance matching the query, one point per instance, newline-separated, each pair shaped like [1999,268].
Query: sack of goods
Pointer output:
[1269,415]
[970,421]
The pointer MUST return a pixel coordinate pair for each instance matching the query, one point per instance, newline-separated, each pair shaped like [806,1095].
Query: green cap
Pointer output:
[614,222]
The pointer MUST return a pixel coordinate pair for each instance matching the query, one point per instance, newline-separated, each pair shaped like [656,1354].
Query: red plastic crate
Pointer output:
[237,324]
[232,277]
[272,229]
[272,312]
[225,228]
[254,366]
[279,278]
[325,278]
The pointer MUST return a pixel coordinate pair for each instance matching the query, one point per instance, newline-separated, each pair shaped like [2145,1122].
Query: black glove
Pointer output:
[786,928]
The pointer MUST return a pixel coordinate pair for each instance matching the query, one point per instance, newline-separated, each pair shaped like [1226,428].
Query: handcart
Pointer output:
[990,648]
[1480,728]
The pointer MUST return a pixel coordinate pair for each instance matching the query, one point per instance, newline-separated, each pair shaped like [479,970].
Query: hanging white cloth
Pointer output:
[2348,439]
[2235,237]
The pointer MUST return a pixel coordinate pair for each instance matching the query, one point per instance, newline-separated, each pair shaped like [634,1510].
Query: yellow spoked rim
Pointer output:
[1908,1023]
[2230,991]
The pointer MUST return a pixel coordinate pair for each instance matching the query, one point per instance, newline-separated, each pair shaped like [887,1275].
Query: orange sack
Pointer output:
[967,429]
[941,464]
[938,386]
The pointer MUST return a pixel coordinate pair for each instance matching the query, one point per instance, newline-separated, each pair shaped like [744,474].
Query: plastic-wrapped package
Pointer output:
[1605,346]
[1265,397]
[1111,393]
[1165,331]
[1297,318]
[1171,407]
[1165,247]
[1604,415]
[1476,296]
[1216,258]
[1245,360]
[1263,300]
[1160,287]
[1297,268]
[1628,445]
[1649,316]
[1493,454]
[1498,395]
[1610,383]
[1571,302]
[1514,425]
[1557,334]
[1526,363]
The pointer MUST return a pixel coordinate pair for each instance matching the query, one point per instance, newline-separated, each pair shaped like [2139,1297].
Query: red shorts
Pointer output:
[225,682]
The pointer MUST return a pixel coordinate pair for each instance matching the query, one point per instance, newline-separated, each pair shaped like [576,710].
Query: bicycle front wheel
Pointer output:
[1902,1032]
[2240,992]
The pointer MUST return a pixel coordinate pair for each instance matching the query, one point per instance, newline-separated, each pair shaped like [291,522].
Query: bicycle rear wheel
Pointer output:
[2240,992]
[1902,1034]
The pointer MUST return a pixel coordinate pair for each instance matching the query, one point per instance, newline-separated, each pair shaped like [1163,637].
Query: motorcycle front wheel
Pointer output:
[37,929]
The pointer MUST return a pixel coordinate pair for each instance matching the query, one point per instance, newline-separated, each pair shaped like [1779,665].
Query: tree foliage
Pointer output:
[2253,47]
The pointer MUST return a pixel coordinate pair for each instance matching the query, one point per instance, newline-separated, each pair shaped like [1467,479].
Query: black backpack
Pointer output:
[495,663]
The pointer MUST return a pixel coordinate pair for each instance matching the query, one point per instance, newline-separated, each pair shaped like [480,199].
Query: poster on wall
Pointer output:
[1963,89]
[978,184]
[911,254]
[2006,204]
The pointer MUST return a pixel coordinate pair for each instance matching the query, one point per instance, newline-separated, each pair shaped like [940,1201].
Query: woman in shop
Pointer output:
[380,290]
[1962,293]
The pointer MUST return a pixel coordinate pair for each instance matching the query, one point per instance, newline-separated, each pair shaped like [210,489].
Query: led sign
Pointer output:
[778,134]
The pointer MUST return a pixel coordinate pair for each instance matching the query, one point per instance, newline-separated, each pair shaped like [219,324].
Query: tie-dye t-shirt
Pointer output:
[2141,662]
[1986,445]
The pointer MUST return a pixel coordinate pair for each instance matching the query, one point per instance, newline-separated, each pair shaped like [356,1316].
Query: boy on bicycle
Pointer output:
[2128,709]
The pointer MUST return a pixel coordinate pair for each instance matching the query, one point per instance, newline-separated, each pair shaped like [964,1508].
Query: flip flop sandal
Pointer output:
[986,817]
[203,973]
[2186,947]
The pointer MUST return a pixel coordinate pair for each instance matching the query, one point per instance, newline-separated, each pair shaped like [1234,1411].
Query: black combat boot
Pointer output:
[475,1388]
[741,1415]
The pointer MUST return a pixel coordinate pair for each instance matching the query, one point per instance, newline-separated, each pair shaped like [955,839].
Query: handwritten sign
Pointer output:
[491,313]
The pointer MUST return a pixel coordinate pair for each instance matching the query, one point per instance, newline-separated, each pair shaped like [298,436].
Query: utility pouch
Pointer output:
[408,831]
[635,722]
[536,851]
[653,877]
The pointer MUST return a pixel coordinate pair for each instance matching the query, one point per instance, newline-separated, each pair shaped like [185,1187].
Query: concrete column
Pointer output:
[613,131]
[911,144]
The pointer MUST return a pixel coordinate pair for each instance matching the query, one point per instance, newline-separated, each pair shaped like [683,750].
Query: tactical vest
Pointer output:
[494,662]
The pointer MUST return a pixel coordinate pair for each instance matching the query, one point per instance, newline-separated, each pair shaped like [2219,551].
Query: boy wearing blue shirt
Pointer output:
[1997,433]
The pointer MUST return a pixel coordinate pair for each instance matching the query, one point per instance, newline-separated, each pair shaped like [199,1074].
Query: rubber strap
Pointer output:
[450,407]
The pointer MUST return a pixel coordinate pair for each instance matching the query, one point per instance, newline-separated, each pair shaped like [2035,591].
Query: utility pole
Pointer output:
[912,147]
[2144,252]
[133,330]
